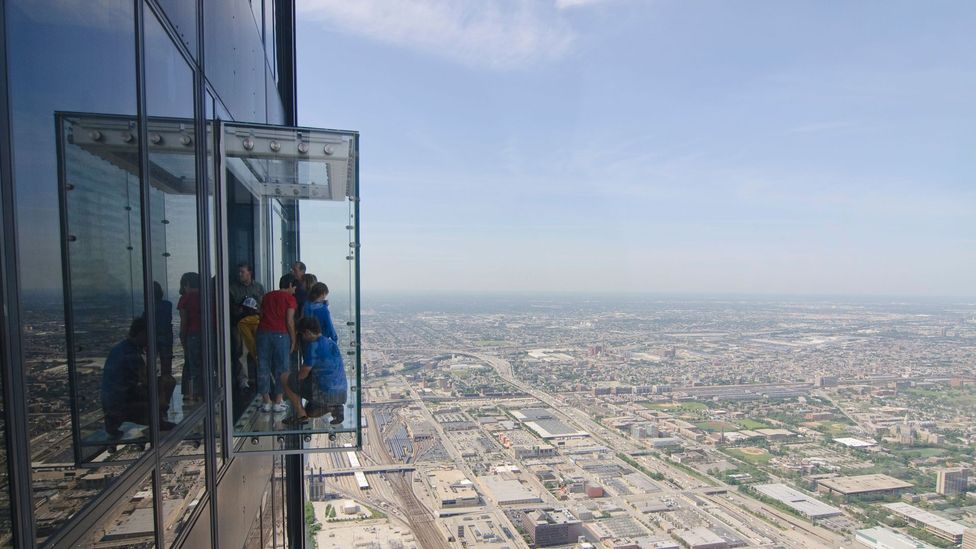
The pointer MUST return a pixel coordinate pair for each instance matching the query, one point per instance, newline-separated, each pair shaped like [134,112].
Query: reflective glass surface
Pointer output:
[305,328]
[173,218]
[270,44]
[130,523]
[68,57]
[182,14]
[104,286]
[6,524]
[234,59]
[183,478]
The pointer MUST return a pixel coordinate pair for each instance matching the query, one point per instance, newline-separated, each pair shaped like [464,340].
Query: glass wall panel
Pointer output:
[182,14]
[235,60]
[66,56]
[270,39]
[183,482]
[130,523]
[274,171]
[276,112]
[173,216]
[104,286]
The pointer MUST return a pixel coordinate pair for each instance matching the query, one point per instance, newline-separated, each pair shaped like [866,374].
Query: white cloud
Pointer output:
[567,4]
[498,34]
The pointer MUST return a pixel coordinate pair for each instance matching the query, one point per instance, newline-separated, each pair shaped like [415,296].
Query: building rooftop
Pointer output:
[532,414]
[552,516]
[553,428]
[700,536]
[928,519]
[799,501]
[883,537]
[508,491]
[861,484]
[854,442]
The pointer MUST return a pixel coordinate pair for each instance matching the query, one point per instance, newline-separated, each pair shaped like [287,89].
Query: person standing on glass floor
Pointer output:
[276,342]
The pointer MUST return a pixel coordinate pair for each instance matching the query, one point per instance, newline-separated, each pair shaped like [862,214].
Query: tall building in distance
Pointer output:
[952,481]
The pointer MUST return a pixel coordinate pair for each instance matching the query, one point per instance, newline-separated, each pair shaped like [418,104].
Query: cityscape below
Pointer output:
[653,422]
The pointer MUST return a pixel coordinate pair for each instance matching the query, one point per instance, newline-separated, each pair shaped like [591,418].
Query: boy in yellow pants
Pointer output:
[247,327]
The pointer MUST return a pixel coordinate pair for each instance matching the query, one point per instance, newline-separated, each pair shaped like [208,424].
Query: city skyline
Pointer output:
[653,147]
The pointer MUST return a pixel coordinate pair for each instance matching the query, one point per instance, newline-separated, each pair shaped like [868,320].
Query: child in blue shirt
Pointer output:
[318,306]
[321,380]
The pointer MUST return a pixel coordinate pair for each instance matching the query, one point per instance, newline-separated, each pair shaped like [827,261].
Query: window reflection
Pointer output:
[183,483]
[66,56]
[128,524]
[6,522]
[104,288]
[125,392]
[173,221]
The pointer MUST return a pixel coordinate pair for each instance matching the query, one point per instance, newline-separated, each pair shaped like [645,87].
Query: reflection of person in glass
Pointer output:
[321,380]
[164,342]
[190,326]
[244,322]
[317,306]
[276,341]
[125,389]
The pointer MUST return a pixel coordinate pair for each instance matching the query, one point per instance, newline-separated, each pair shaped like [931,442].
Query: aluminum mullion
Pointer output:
[147,264]
[11,361]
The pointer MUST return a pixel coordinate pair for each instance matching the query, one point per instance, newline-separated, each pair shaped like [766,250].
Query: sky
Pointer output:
[654,146]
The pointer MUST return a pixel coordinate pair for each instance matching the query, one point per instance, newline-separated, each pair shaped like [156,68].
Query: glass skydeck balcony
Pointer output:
[264,178]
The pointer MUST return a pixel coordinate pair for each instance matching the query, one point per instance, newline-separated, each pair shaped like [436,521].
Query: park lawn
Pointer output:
[835,427]
[752,424]
[715,426]
[915,453]
[753,458]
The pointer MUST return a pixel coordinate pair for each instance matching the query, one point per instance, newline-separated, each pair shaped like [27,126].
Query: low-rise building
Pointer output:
[939,526]
[453,489]
[798,501]
[551,527]
[862,486]
[883,538]
[702,538]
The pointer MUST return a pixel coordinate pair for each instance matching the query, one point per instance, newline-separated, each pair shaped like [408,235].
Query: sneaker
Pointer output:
[337,419]
[266,407]
[280,407]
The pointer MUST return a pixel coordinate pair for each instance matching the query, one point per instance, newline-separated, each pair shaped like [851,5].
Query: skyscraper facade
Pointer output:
[113,408]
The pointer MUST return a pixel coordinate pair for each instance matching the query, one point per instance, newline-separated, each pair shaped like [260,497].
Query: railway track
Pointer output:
[421,520]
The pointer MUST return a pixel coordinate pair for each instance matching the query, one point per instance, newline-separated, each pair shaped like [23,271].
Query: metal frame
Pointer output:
[14,412]
[69,316]
[147,274]
[282,443]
